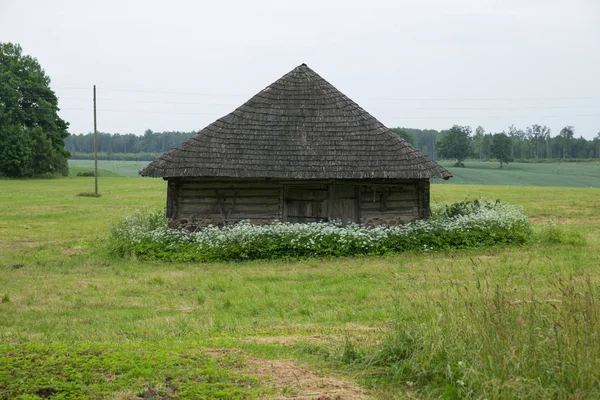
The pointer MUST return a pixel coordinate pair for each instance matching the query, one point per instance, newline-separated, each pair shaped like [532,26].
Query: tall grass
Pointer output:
[494,340]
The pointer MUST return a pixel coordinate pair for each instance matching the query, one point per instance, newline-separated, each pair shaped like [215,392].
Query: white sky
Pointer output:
[179,65]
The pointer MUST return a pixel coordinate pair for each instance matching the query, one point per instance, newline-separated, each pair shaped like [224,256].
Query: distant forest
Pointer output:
[530,144]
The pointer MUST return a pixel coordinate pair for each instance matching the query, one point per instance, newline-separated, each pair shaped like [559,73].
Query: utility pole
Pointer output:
[95,149]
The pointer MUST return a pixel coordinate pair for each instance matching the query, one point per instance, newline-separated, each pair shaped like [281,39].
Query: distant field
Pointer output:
[474,173]
[112,168]
[524,174]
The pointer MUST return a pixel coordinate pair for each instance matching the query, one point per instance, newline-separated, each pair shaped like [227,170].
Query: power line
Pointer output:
[395,117]
[400,107]
[487,99]
[185,92]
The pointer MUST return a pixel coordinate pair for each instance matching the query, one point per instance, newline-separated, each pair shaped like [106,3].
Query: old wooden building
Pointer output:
[298,151]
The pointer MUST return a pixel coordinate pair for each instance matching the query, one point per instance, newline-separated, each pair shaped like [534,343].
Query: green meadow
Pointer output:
[506,322]
[526,174]
[108,168]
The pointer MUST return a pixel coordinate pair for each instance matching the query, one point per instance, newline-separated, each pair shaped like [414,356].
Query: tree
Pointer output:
[520,143]
[478,142]
[403,133]
[456,144]
[565,140]
[538,136]
[501,148]
[32,135]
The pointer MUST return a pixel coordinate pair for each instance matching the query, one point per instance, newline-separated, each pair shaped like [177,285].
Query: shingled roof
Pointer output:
[300,127]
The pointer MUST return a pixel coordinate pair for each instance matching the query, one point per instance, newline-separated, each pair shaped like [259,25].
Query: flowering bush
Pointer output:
[478,224]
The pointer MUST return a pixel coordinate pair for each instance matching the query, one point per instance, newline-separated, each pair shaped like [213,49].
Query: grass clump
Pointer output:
[86,173]
[554,234]
[88,194]
[474,224]
[493,341]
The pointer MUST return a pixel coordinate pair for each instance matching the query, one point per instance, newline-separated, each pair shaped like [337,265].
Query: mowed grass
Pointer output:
[74,322]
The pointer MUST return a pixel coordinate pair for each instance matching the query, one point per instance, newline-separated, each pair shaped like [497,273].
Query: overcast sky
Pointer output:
[179,65]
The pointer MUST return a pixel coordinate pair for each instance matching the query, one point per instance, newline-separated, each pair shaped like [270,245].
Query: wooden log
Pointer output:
[240,200]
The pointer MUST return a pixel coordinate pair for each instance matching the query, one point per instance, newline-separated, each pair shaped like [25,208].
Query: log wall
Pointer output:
[212,201]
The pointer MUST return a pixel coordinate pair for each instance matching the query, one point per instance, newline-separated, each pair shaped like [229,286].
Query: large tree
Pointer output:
[456,144]
[565,140]
[32,135]
[500,148]
[538,136]
[478,148]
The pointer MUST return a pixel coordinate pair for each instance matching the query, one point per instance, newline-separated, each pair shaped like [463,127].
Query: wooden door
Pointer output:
[305,203]
[343,203]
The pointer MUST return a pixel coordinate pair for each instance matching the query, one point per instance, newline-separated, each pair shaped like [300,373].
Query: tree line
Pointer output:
[149,142]
[533,143]
[459,142]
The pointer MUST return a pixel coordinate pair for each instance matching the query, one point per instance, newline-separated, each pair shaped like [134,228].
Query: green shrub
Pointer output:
[552,233]
[478,224]
[86,173]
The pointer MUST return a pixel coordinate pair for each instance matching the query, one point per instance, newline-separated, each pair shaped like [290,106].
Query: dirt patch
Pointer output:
[46,392]
[17,244]
[289,380]
[290,340]
[292,381]
[74,251]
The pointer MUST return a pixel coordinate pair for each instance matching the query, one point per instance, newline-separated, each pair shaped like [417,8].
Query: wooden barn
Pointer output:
[298,151]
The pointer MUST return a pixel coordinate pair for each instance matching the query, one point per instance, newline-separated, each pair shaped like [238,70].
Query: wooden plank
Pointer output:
[282,207]
[399,196]
[344,203]
[300,208]
[172,195]
[241,200]
[239,216]
[229,185]
[198,209]
[216,219]
[227,192]
[408,212]
[391,205]
[306,185]
[306,194]
[238,181]
[426,199]
[284,203]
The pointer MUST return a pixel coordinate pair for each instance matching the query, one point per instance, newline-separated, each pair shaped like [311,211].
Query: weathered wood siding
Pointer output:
[392,204]
[305,203]
[344,202]
[222,202]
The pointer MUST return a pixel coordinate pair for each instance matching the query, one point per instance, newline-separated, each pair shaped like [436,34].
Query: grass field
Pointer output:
[474,173]
[75,323]
[110,168]
[525,174]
